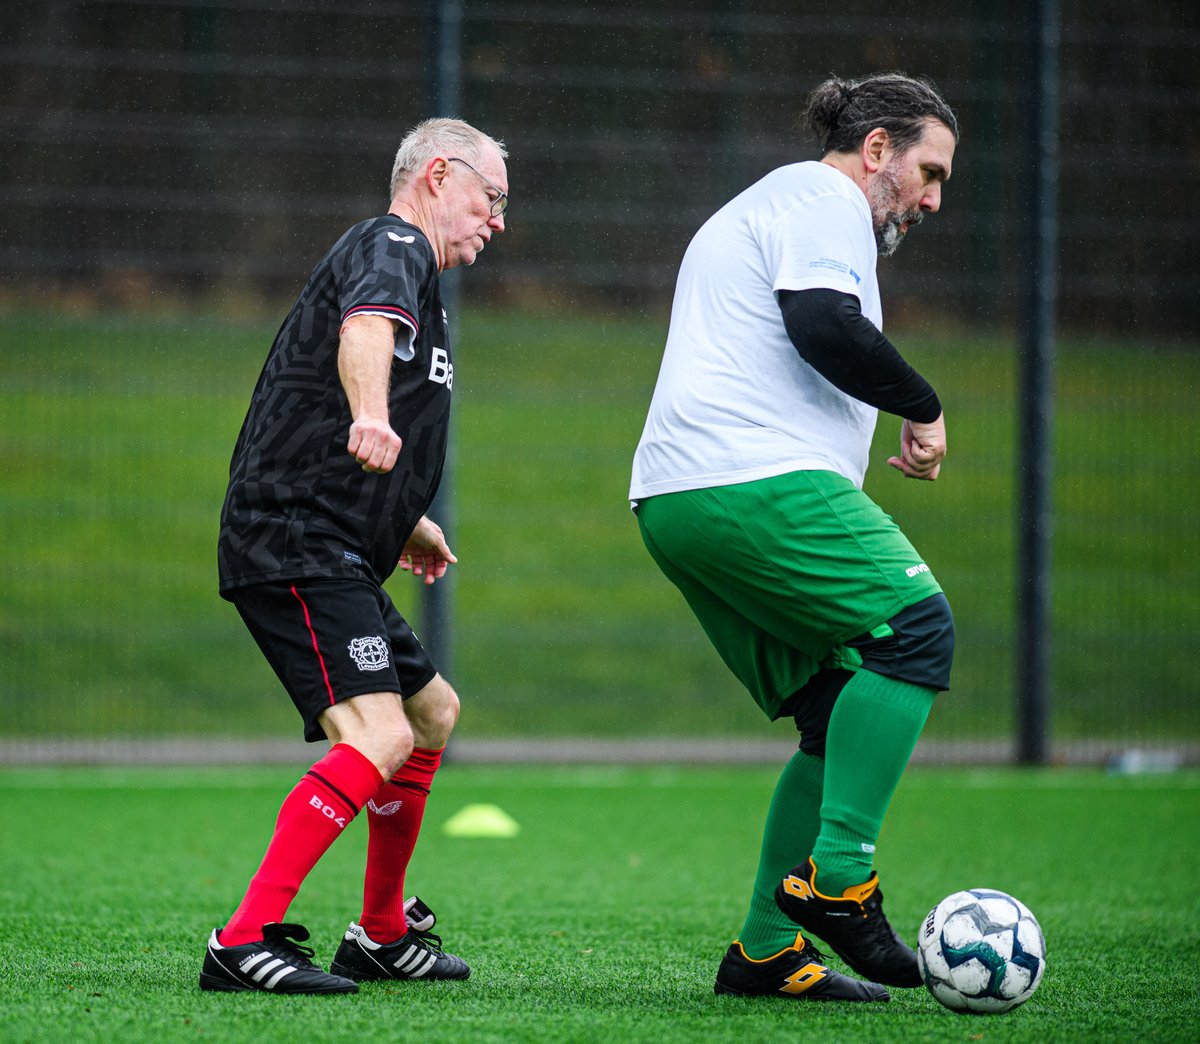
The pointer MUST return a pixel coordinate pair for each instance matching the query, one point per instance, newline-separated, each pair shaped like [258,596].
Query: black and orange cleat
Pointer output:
[853,924]
[799,972]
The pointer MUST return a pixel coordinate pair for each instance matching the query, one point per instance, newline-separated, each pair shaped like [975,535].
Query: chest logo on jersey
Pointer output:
[441,369]
[370,653]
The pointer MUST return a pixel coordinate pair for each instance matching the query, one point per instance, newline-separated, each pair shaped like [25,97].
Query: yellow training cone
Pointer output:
[481,821]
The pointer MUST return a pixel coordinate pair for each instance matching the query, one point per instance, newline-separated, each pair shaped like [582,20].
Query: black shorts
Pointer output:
[328,640]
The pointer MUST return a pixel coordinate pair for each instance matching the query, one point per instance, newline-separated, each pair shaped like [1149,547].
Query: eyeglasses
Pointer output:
[499,201]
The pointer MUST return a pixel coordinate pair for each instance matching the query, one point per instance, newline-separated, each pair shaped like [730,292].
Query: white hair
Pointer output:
[438,137]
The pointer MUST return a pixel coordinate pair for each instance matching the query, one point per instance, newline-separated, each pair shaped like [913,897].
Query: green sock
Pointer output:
[793,821]
[872,733]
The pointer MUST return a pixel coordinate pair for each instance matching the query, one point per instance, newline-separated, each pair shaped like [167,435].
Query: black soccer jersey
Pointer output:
[298,504]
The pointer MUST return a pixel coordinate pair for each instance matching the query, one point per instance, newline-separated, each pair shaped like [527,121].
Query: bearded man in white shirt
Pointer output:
[747,484]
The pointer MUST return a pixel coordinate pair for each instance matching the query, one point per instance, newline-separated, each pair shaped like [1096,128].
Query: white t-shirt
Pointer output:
[734,401]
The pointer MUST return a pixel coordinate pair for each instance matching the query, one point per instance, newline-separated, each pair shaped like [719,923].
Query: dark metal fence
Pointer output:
[190,148]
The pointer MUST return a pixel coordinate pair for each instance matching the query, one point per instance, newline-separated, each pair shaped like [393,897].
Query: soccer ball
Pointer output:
[981,951]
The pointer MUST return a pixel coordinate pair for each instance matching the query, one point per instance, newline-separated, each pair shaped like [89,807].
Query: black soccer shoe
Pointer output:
[798,972]
[276,964]
[854,926]
[415,955]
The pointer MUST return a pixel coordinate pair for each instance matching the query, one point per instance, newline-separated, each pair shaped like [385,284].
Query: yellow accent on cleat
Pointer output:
[798,946]
[855,893]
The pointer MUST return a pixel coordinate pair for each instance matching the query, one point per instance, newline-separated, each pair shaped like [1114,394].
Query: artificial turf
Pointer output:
[602,920]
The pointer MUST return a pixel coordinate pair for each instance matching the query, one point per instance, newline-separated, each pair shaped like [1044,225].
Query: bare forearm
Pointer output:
[365,364]
[365,367]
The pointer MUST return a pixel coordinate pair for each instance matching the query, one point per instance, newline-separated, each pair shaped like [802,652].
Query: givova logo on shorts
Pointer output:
[370,653]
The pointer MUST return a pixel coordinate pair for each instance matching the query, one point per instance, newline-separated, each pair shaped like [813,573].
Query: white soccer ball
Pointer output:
[981,951]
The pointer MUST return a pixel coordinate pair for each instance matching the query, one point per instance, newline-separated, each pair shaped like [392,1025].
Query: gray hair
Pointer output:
[841,113]
[438,137]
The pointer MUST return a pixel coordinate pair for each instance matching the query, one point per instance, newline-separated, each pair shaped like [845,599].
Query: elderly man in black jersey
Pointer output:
[337,462]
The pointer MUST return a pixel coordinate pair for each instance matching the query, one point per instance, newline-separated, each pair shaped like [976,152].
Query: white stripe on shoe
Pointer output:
[250,963]
[415,961]
[273,981]
[267,968]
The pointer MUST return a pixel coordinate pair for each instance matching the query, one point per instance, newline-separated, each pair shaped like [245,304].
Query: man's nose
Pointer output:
[931,201]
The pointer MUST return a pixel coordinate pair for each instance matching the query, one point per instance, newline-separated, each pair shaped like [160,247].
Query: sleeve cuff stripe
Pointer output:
[392,311]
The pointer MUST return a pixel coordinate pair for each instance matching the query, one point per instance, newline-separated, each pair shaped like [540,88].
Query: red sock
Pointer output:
[394,817]
[310,820]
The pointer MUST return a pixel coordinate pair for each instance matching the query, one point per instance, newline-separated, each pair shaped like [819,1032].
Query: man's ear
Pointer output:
[876,149]
[435,173]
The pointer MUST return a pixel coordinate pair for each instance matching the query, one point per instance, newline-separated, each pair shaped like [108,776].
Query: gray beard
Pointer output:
[888,236]
[883,197]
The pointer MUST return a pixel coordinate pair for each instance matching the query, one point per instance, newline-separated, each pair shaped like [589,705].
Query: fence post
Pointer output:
[445,80]
[1034,441]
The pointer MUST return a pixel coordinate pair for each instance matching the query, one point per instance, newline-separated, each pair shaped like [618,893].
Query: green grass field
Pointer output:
[116,436]
[603,920]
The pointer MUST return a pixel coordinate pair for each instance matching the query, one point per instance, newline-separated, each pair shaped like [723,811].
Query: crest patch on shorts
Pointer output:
[369,653]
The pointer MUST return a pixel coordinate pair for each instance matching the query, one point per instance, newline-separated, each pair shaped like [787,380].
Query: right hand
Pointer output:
[373,444]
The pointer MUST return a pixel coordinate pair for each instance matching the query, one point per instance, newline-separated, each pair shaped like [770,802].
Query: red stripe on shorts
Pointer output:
[316,648]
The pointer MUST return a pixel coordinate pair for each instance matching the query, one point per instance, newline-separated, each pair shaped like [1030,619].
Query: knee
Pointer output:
[919,647]
[447,711]
[373,724]
[812,708]
[388,742]
[433,713]
[394,748]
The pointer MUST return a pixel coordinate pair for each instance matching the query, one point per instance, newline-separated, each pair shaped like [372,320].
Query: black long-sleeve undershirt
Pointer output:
[832,335]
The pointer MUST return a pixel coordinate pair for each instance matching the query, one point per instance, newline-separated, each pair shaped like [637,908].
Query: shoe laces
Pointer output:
[875,920]
[427,939]
[284,940]
[811,952]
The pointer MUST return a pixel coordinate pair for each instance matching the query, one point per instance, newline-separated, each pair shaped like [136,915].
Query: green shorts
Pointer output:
[783,572]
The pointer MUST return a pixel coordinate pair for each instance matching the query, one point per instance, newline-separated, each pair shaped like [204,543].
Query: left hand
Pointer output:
[426,553]
[922,447]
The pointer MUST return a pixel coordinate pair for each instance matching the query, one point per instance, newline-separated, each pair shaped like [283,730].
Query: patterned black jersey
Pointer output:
[298,504]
